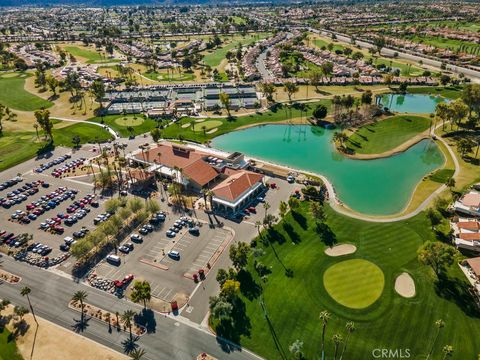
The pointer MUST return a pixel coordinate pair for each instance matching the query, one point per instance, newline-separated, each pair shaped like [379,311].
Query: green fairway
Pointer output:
[215,58]
[293,294]
[8,348]
[355,283]
[92,56]
[88,133]
[449,92]
[115,121]
[387,134]
[14,95]
[18,147]
[279,113]
[444,43]
[207,125]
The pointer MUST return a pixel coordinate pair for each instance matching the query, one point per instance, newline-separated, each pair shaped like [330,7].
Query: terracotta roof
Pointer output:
[236,184]
[469,225]
[200,172]
[470,236]
[171,155]
[475,265]
[188,159]
[471,199]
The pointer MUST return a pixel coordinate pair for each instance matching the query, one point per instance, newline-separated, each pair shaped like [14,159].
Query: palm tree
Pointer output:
[137,354]
[266,206]
[350,328]
[258,224]
[127,318]
[439,324]
[324,316]
[80,296]
[25,292]
[337,339]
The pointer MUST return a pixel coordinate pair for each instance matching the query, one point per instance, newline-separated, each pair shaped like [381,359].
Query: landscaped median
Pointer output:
[113,320]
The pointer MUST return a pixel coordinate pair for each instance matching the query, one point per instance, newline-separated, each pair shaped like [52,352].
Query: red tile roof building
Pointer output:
[237,190]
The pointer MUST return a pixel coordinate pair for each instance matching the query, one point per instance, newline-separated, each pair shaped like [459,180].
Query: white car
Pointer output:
[175,255]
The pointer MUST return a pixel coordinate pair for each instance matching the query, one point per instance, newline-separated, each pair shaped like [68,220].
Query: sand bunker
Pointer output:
[185,125]
[405,286]
[339,250]
[212,131]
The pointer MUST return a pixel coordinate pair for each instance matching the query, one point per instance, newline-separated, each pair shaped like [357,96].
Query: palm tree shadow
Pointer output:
[80,325]
[34,341]
[130,344]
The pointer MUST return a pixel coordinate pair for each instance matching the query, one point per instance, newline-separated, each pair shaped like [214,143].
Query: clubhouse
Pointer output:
[232,186]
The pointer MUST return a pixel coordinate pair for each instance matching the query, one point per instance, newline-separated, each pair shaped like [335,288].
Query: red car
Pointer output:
[30,206]
[252,209]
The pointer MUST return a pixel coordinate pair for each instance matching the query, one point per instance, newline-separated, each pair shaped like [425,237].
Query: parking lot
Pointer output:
[51,208]
[169,277]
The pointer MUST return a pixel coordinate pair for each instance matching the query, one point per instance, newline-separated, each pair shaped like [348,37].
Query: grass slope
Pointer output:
[387,134]
[88,133]
[294,303]
[14,95]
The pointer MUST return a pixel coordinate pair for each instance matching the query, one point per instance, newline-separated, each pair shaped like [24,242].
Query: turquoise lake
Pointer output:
[375,187]
[411,103]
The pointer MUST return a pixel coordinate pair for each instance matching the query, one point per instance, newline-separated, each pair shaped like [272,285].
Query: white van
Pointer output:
[114,260]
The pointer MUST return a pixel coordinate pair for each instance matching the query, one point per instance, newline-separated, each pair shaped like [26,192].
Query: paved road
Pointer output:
[174,337]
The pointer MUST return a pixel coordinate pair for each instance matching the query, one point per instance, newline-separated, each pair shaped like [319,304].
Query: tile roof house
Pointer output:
[467,234]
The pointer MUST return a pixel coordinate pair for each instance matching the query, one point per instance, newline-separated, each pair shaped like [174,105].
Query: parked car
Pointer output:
[114,260]
[136,238]
[175,255]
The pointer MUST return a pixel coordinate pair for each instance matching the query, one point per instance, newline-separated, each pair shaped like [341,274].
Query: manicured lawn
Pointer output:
[293,303]
[215,58]
[14,95]
[387,134]
[280,113]
[18,147]
[8,348]
[88,133]
[91,55]
[449,92]
[111,120]
[354,283]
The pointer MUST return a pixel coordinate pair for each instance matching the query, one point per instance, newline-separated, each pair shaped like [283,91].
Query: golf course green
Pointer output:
[354,283]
